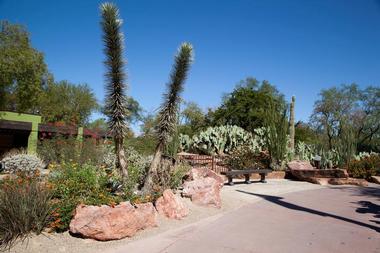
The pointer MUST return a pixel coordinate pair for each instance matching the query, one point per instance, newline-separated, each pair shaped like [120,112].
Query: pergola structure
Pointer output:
[18,130]
[21,130]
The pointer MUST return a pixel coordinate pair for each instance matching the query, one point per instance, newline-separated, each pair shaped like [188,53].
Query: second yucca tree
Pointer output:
[116,105]
[167,117]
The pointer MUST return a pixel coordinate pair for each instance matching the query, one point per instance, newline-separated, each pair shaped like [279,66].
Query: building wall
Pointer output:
[21,117]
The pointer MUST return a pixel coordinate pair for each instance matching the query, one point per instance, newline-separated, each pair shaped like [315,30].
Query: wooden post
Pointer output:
[213,163]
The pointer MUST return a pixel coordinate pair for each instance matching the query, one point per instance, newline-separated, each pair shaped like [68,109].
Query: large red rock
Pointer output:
[203,191]
[375,179]
[300,165]
[171,206]
[303,170]
[105,223]
[350,181]
[198,173]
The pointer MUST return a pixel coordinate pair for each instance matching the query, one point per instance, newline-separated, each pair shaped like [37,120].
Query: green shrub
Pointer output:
[170,176]
[58,149]
[74,184]
[25,207]
[145,144]
[364,168]
[243,157]
[18,160]
[68,149]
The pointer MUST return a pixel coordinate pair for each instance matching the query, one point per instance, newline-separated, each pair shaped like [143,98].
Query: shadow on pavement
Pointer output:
[371,208]
[279,201]
[372,192]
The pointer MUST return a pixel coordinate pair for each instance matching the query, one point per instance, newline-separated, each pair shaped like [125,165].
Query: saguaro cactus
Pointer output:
[291,124]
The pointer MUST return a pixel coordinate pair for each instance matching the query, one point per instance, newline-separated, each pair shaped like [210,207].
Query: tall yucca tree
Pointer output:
[167,117]
[115,104]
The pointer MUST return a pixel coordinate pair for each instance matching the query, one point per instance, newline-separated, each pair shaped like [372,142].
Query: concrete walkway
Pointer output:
[329,219]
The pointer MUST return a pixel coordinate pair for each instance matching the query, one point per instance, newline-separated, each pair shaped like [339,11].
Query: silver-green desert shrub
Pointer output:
[20,161]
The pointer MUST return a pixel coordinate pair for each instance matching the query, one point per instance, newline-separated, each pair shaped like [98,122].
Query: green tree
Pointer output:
[134,110]
[98,124]
[348,113]
[116,102]
[22,69]
[366,120]
[68,103]
[246,105]
[149,122]
[305,133]
[335,106]
[168,114]
[192,119]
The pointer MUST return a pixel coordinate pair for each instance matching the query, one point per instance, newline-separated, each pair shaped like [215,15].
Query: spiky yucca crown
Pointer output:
[169,107]
[115,105]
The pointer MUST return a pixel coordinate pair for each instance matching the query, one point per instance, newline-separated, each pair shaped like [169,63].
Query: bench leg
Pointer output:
[262,180]
[247,180]
[230,181]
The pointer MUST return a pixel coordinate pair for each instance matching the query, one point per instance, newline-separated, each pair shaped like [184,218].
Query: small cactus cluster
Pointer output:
[329,158]
[14,162]
[363,155]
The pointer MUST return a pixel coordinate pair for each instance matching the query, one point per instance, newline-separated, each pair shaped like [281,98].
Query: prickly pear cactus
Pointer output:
[221,140]
[184,142]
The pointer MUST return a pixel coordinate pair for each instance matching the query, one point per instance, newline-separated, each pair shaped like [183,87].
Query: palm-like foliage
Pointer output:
[116,106]
[167,117]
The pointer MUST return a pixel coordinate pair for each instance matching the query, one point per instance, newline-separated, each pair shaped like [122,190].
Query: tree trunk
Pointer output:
[153,169]
[121,161]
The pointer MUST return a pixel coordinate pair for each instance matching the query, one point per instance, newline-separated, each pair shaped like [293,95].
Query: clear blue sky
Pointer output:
[299,46]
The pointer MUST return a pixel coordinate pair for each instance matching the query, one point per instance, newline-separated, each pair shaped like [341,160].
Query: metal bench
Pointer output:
[247,173]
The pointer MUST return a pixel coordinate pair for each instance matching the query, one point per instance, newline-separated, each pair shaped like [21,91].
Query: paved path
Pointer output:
[336,219]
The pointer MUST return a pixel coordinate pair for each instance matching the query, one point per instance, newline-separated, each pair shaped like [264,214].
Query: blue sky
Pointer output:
[299,46]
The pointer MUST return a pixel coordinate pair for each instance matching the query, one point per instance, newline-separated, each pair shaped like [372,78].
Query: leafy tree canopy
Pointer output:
[22,69]
[68,103]
[192,119]
[348,107]
[245,106]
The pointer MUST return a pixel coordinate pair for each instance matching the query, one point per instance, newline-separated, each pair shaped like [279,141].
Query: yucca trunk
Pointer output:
[169,109]
[115,105]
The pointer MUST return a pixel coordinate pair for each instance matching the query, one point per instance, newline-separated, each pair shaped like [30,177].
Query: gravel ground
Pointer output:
[231,200]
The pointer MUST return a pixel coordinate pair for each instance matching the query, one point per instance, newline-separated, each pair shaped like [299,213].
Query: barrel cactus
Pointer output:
[21,162]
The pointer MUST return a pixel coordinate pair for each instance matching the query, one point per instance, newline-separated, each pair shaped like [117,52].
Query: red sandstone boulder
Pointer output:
[350,181]
[171,206]
[303,170]
[318,180]
[300,165]
[375,179]
[105,223]
[203,191]
[198,173]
